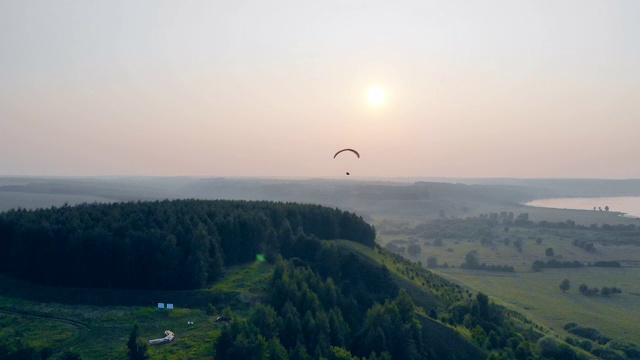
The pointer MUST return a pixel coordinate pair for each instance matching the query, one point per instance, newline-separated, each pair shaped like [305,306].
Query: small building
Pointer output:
[170,306]
[160,305]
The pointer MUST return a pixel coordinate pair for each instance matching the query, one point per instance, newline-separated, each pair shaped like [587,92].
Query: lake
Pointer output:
[629,205]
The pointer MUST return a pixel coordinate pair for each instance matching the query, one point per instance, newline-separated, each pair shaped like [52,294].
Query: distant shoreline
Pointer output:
[627,206]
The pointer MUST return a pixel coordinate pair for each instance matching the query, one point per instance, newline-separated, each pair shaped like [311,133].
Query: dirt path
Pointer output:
[83,329]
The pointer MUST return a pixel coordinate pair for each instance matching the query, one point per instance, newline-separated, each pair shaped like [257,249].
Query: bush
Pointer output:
[70,355]
[211,310]
[432,262]
[607,353]
[539,264]
[392,248]
[631,350]
[547,345]
[414,249]
[586,332]
[570,325]
[606,264]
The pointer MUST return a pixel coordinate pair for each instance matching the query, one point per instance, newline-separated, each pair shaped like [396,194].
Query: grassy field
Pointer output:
[537,295]
[583,217]
[40,332]
[101,332]
[109,328]
[453,251]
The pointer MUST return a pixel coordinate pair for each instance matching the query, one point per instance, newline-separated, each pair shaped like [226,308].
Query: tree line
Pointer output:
[558,264]
[484,225]
[178,244]
[585,245]
[472,261]
[605,291]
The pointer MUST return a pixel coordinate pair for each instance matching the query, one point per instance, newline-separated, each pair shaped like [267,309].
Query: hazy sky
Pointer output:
[274,88]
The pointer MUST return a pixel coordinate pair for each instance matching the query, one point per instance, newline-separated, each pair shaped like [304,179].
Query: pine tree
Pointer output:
[137,349]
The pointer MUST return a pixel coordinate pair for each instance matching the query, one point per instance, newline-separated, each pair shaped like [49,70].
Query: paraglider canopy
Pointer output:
[347,150]
[343,150]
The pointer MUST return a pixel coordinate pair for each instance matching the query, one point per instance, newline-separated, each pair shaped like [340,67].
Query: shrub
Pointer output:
[608,353]
[587,332]
[631,350]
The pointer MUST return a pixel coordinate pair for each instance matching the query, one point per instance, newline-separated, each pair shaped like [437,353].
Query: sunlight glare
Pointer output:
[376,96]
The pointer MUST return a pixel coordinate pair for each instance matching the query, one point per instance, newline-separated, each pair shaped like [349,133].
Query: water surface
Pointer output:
[629,205]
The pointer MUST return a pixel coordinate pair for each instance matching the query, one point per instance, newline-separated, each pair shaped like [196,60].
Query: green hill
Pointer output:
[325,290]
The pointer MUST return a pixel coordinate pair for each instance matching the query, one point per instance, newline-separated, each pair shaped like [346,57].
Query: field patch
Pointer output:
[537,295]
[101,332]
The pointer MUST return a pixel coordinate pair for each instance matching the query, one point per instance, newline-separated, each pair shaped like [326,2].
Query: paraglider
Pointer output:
[349,150]
[353,151]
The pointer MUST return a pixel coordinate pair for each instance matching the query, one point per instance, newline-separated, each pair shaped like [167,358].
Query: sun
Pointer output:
[376,96]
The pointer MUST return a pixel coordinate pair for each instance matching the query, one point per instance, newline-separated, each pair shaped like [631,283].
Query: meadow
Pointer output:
[538,297]
[536,293]
[101,332]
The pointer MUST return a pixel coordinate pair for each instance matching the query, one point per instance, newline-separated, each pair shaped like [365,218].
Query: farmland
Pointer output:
[534,293]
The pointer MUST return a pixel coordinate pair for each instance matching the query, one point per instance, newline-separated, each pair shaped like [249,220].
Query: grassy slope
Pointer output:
[102,331]
[453,251]
[423,297]
[442,338]
[59,326]
[537,294]
[53,333]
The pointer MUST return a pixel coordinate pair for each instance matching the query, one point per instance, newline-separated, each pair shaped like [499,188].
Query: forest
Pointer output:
[170,245]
